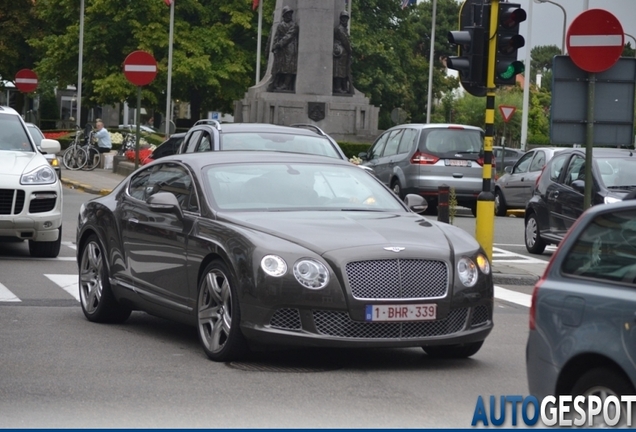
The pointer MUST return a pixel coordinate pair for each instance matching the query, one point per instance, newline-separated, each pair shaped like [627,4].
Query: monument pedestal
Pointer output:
[346,117]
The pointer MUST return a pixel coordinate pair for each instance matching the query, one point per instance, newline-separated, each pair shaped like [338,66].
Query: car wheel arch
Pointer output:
[581,364]
[215,256]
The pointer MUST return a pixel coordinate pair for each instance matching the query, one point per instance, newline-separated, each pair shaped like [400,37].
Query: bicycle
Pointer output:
[94,155]
[75,156]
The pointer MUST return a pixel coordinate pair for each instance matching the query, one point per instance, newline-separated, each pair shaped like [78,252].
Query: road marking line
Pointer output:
[513,296]
[513,257]
[6,295]
[68,283]
[72,245]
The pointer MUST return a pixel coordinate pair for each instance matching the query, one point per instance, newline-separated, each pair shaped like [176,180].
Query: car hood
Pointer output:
[324,231]
[15,163]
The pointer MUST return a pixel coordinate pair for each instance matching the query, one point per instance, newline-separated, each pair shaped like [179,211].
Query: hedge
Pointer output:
[353,149]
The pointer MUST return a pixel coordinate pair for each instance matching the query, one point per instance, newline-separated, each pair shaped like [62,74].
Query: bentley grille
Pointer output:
[339,324]
[397,279]
[286,319]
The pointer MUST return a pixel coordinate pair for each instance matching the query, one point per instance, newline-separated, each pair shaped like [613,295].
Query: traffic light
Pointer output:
[507,67]
[472,59]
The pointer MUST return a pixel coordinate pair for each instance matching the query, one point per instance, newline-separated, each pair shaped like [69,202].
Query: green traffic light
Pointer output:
[514,68]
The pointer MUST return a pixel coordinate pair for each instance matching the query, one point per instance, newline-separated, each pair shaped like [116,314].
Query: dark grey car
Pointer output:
[419,158]
[514,188]
[582,337]
[269,248]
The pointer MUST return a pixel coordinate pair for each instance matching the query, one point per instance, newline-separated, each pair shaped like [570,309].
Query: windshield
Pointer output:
[279,142]
[618,173]
[279,187]
[12,134]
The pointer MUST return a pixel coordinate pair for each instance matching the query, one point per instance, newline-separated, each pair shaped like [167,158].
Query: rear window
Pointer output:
[446,143]
[306,144]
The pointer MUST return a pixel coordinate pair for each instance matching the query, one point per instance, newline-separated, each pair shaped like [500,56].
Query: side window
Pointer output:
[392,143]
[556,166]
[378,147]
[523,164]
[576,170]
[174,178]
[538,162]
[606,249]
[193,140]
[512,154]
[140,184]
[408,141]
[206,143]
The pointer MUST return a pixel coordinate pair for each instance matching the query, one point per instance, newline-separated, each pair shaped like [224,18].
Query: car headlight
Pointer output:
[41,175]
[467,272]
[311,274]
[483,264]
[274,265]
[610,199]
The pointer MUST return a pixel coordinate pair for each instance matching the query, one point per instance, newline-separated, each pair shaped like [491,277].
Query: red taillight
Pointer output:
[424,159]
[533,305]
[493,164]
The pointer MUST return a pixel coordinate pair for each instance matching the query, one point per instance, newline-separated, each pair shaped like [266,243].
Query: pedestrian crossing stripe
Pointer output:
[71,245]
[68,283]
[6,295]
[505,256]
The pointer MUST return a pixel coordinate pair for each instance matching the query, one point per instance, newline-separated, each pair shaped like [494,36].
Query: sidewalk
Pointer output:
[101,182]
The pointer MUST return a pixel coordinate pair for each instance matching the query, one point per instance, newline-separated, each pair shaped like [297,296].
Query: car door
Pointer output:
[526,186]
[572,199]
[516,183]
[389,156]
[157,242]
[372,159]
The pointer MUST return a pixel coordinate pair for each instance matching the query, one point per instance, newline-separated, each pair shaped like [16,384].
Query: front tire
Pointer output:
[96,297]
[46,249]
[500,204]
[533,240]
[453,351]
[219,315]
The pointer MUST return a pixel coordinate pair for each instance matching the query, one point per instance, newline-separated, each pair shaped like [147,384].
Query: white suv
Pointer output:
[30,192]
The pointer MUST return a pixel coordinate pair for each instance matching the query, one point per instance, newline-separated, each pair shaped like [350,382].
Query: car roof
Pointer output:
[8,110]
[439,126]
[264,127]
[603,151]
[199,160]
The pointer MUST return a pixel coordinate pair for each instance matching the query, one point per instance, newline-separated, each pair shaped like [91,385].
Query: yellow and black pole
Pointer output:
[484,229]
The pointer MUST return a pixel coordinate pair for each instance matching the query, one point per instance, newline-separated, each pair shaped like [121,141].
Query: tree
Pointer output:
[541,60]
[213,51]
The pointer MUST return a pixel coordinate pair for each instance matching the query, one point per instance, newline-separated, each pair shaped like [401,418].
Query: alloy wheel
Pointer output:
[531,232]
[91,271]
[215,310]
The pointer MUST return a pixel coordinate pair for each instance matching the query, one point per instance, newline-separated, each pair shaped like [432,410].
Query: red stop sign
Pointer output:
[595,40]
[26,80]
[140,68]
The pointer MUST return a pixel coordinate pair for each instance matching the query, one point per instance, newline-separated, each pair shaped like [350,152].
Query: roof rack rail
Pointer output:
[216,123]
[309,126]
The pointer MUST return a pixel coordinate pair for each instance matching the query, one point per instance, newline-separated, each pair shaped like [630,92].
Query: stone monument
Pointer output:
[308,77]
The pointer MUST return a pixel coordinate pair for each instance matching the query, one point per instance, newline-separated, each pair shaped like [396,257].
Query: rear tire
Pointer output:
[534,242]
[46,249]
[453,351]
[396,187]
[602,382]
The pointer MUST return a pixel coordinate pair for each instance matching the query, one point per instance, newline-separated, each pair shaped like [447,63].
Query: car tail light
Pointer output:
[424,159]
[456,127]
[480,161]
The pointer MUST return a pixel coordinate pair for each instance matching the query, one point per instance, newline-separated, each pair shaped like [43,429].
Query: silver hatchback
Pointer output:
[419,158]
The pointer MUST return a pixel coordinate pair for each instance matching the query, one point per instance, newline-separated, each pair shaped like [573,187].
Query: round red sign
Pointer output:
[26,80]
[140,68]
[595,40]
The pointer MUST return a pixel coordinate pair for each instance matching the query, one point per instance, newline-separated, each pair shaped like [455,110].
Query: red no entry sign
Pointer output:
[595,40]
[26,80]
[140,68]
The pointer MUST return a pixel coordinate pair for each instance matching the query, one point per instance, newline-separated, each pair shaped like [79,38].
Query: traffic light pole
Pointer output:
[485,226]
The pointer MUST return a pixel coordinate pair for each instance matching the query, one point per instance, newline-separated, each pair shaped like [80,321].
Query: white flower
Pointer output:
[116,138]
[355,160]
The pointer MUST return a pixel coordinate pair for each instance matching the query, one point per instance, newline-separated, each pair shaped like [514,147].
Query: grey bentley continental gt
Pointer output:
[263,249]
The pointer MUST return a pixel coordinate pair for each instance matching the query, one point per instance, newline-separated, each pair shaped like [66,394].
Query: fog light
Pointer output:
[47,224]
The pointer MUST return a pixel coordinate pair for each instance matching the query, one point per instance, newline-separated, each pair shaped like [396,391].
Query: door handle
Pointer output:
[135,221]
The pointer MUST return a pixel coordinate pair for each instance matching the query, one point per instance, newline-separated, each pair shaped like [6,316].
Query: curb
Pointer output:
[513,279]
[84,187]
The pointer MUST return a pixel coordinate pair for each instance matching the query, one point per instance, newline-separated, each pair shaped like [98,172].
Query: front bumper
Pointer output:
[31,212]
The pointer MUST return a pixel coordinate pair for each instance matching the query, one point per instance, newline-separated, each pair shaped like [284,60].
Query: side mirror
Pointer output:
[363,155]
[50,146]
[579,185]
[165,202]
[416,203]
[508,169]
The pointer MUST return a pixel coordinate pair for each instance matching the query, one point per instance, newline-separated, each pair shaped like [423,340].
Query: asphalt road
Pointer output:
[59,370]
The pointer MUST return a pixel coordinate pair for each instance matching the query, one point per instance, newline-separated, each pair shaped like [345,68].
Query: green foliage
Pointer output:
[353,149]
[452,205]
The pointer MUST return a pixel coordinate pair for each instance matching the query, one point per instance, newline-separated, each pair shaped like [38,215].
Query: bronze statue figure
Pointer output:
[285,49]
[342,57]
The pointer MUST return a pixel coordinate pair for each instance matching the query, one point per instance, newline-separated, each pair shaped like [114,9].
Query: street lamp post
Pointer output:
[429,100]
[79,66]
[565,21]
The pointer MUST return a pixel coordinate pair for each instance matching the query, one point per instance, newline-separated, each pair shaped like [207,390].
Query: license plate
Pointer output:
[457,162]
[413,312]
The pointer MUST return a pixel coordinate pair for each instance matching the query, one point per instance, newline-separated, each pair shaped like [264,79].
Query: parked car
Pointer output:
[558,198]
[168,147]
[418,158]
[506,156]
[30,191]
[275,248]
[582,337]
[514,188]
[38,136]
